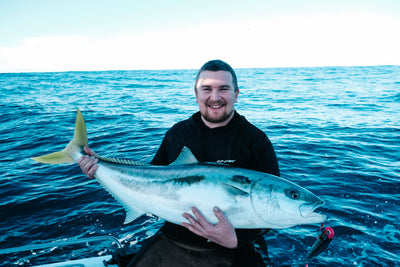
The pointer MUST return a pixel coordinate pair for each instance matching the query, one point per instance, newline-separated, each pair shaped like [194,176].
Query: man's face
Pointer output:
[216,97]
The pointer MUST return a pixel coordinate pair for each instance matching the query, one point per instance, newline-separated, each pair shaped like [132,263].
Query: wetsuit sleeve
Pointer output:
[161,157]
[169,149]
[247,236]
[264,157]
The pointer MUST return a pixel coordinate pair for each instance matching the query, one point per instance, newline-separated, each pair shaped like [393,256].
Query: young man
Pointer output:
[217,133]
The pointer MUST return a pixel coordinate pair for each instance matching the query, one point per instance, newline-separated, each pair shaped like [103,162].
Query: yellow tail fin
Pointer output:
[55,158]
[77,143]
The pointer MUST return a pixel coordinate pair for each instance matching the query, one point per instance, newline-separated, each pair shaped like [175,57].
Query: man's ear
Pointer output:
[195,93]
[236,95]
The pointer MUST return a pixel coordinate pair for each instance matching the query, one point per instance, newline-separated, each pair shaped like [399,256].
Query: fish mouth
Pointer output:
[307,210]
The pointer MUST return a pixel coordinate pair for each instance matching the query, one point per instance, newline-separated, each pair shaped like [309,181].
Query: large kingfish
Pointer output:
[250,199]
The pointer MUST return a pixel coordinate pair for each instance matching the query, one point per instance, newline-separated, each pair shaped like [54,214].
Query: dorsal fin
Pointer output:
[122,161]
[185,157]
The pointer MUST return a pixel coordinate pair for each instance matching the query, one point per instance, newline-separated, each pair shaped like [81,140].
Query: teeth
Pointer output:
[215,106]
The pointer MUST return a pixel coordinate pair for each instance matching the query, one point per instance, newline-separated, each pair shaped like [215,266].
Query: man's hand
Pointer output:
[222,233]
[88,163]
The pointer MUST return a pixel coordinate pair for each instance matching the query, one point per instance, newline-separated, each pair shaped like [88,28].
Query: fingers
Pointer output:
[89,151]
[193,225]
[220,215]
[200,218]
[88,163]
[198,224]
[222,233]
[92,168]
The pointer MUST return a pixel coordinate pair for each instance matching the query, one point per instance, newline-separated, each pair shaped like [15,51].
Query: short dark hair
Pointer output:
[217,65]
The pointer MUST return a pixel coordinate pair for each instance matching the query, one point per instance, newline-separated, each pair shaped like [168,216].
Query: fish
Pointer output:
[250,199]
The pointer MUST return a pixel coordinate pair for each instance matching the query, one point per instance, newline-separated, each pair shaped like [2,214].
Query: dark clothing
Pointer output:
[239,141]
[240,144]
[159,251]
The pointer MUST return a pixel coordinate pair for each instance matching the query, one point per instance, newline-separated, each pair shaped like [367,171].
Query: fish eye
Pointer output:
[294,194]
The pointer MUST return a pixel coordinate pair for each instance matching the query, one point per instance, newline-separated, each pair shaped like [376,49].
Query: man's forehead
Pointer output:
[220,77]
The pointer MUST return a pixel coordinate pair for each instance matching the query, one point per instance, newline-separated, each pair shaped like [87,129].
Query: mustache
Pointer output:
[215,102]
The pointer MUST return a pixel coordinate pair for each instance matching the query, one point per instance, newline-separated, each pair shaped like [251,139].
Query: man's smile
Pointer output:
[215,106]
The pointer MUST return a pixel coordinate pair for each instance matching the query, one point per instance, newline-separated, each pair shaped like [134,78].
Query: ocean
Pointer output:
[335,130]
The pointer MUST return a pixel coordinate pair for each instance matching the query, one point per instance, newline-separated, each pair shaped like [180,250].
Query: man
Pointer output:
[217,133]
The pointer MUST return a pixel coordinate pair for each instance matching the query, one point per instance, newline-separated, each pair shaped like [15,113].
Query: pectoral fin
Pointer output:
[234,191]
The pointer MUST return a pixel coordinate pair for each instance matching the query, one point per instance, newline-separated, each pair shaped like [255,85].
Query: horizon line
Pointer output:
[196,69]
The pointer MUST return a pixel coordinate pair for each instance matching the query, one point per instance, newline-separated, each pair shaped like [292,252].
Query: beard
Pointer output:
[213,119]
[224,116]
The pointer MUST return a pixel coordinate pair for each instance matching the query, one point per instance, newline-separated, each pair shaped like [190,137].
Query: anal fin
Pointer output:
[132,214]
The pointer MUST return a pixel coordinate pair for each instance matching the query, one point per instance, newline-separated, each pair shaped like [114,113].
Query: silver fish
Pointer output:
[249,199]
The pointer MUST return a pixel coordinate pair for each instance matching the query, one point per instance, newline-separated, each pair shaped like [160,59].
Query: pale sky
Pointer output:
[68,35]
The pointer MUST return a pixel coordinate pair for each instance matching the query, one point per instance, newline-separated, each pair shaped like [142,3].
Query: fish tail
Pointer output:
[75,145]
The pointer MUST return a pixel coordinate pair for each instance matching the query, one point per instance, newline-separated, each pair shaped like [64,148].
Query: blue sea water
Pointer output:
[336,131]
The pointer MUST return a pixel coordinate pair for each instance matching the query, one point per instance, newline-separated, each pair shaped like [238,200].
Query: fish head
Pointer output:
[281,203]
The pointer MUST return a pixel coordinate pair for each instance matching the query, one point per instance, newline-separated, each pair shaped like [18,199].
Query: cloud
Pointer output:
[347,39]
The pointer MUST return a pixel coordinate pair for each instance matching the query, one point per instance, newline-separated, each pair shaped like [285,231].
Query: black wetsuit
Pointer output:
[240,144]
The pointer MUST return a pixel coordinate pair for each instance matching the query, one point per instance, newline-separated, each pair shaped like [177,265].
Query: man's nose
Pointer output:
[215,95]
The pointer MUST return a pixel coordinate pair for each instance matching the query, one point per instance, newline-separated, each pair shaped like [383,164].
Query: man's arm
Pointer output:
[264,157]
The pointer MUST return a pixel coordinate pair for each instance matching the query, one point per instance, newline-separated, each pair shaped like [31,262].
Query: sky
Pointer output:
[76,35]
